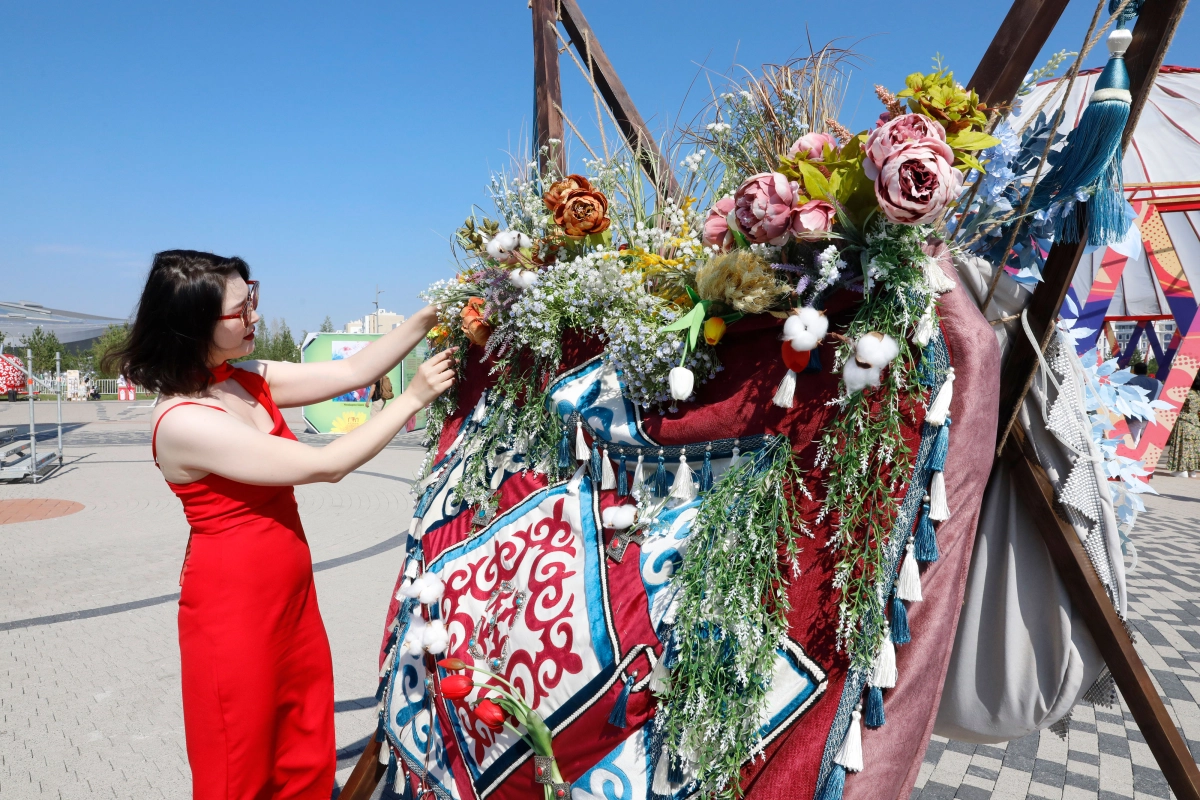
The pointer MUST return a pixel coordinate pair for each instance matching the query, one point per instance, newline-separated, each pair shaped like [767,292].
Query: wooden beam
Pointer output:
[547,89]
[367,772]
[632,126]
[1151,38]
[1014,47]
[1089,598]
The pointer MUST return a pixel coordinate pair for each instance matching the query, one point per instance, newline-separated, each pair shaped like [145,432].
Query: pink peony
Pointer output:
[894,133]
[916,182]
[716,224]
[811,146]
[815,215]
[764,207]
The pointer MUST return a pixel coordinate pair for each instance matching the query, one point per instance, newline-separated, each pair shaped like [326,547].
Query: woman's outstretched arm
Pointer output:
[195,441]
[304,384]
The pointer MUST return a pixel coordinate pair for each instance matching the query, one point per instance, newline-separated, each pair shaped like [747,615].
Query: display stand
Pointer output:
[1007,60]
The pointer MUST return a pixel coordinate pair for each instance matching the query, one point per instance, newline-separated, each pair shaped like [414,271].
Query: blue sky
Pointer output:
[336,146]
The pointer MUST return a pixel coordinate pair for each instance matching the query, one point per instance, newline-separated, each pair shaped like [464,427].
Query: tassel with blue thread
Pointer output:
[564,450]
[899,622]
[618,716]
[883,676]
[622,477]
[939,508]
[594,466]
[389,779]
[662,483]
[835,784]
[873,716]
[706,475]
[1088,171]
[925,539]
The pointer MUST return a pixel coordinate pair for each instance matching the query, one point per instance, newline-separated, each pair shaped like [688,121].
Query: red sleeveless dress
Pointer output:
[257,671]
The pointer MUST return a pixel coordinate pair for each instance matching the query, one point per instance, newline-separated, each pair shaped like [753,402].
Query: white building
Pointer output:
[381,321]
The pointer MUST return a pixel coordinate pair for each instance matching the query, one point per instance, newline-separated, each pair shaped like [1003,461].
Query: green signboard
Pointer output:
[346,412]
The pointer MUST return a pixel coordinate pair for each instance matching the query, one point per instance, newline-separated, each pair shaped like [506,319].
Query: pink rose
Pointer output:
[716,224]
[917,182]
[815,215]
[764,208]
[894,133]
[811,146]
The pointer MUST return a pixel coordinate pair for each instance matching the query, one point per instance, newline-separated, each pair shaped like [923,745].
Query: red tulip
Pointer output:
[456,687]
[452,664]
[490,714]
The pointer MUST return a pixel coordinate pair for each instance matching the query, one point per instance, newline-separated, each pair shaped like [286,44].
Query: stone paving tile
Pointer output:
[1105,756]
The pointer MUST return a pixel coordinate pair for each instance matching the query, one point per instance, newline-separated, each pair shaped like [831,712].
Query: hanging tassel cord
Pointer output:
[623,477]
[899,622]
[618,716]
[835,784]
[1088,43]
[683,488]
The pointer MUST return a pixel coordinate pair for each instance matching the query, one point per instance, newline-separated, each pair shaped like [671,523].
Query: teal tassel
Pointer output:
[382,686]
[408,789]
[564,450]
[706,476]
[899,622]
[617,717]
[936,462]
[1090,164]
[814,361]
[675,770]
[379,731]
[873,714]
[662,483]
[925,540]
[835,784]
[597,469]
[622,478]
[925,373]
[389,780]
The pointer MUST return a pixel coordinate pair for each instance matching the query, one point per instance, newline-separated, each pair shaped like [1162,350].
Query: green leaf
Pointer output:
[691,293]
[971,140]
[816,185]
[732,318]
[971,162]
[739,238]
[692,322]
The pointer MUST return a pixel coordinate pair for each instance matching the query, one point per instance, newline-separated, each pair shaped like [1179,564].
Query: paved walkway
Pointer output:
[89,664]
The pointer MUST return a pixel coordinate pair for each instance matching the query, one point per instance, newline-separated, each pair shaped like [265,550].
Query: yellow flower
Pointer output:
[714,329]
[348,421]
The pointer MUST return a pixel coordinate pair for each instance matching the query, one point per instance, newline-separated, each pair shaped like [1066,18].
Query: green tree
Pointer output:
[114,336]
[44,345]
[284,344]
[327,325]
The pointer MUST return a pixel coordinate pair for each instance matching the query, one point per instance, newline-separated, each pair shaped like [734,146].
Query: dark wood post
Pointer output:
[547,90]
[1016,44]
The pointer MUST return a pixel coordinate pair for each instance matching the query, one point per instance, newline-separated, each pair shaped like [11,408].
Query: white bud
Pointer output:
[681,381]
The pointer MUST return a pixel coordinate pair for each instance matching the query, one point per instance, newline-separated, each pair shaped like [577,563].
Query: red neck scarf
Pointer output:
[221,372]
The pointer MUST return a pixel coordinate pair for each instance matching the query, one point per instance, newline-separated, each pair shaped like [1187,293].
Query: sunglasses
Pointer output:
[250,305]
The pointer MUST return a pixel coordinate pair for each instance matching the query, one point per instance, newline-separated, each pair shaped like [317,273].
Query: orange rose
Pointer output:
[474,325]
[558,191]
[583,212]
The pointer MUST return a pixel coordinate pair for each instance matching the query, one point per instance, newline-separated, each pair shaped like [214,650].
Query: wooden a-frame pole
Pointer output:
[1005,63]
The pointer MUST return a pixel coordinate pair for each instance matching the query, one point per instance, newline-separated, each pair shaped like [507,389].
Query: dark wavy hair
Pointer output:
[167,347]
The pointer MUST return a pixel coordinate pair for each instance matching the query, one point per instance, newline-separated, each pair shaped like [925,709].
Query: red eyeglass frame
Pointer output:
[251,304]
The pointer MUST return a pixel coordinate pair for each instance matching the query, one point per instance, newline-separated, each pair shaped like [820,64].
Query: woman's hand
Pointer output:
[433,377]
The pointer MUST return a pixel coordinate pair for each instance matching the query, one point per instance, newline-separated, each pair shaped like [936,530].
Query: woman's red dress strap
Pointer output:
[154,436]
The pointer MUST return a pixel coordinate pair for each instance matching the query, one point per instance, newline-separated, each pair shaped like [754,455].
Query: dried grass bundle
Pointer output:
[740,279]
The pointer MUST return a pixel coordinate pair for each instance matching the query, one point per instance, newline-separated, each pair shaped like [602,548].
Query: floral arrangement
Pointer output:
[780,208]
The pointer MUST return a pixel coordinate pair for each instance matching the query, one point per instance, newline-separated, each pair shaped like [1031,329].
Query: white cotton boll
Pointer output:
[414,638]
[876,349]
[411,589]
[619,517]
[434,638]
[433,589]
[681,381]
[504,246]
[805,329]
[523,279]
[858,378]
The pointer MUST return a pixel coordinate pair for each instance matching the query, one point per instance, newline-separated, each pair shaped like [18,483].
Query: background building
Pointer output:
[381,321]
[72,328]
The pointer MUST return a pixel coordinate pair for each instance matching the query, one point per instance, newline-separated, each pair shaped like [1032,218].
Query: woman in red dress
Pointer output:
[257,672]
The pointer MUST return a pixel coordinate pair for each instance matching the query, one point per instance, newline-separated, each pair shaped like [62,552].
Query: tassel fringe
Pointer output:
[925,540]
[622,478]
[683,488]
[940,406]
[939,509]
[873,716]
[850,754]
[662,784]
[639,478]
[594,467]
[564,450]
[884,673]
[835,784]
[908,585]
[660,676]
[936,461]
[899,622]
[582,453]
[785,395]
[662,484]
[618,717]
[608,478]
[706,473]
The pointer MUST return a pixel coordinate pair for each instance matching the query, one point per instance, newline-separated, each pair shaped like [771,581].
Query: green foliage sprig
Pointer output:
[732,614]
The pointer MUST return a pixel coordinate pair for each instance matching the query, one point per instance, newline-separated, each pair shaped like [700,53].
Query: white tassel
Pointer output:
[662,785]
[387,660]
[608,477]
[735,455]
[850,754]
[639,478]
[940,407]
[884,674]
[385,755]
[939,509]
[660,677]
[683,488]
[924,331]
[786,393]
[908,587]
[480,409]
[582,451]
[939,282]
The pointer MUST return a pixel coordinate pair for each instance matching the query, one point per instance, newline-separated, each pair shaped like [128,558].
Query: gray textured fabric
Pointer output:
[1022,657]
